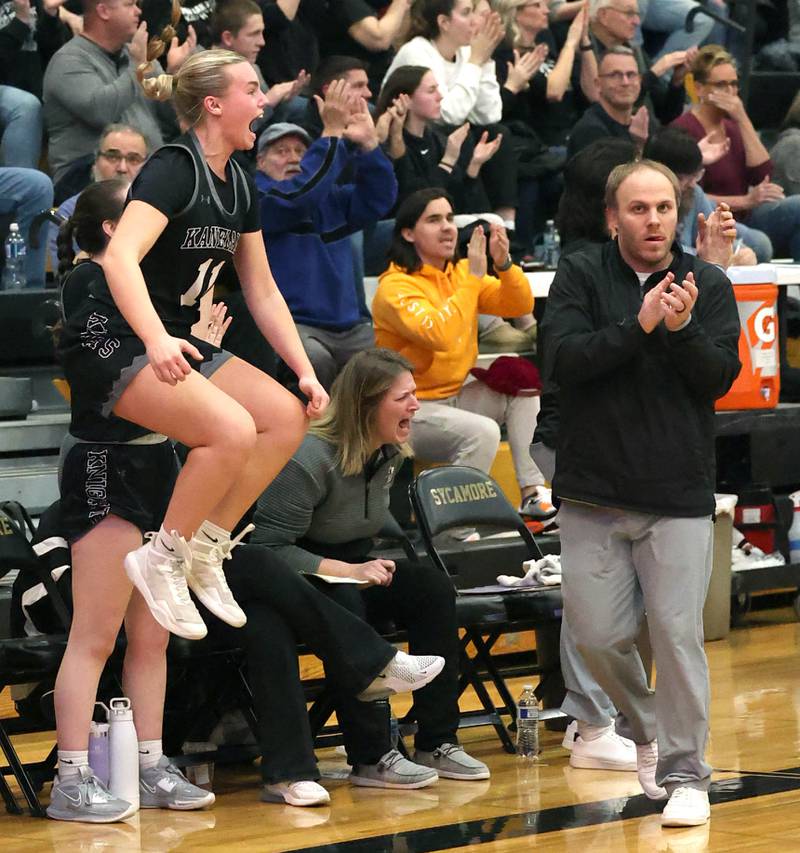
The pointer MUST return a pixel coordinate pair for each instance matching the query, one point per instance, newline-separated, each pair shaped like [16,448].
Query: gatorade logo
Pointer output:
[764,324]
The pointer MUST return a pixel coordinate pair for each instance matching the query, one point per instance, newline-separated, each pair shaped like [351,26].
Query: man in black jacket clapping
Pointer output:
[642,339]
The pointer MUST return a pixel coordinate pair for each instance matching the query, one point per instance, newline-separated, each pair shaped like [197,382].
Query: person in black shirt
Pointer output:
[423,155]
[619,84]
[109,496]
[190,211]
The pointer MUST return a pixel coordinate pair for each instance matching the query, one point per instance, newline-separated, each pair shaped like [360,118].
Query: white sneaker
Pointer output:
[606,751]
[646,762]
[161,580]
[207,581]
[404,672]
[686,807]
[302,793]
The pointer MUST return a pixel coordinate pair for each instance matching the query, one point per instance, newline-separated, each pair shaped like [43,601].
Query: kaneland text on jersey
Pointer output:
[211,237]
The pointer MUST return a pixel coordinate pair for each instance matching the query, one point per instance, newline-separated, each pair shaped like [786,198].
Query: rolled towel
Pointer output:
[544,572]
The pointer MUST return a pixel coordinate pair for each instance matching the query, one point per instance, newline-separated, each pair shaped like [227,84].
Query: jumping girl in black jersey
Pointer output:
[136,370]
[109,496]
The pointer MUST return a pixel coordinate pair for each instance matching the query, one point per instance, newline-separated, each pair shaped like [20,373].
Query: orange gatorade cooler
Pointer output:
[758,385]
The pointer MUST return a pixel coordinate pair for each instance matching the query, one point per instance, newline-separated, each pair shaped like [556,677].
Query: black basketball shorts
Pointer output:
[131,481]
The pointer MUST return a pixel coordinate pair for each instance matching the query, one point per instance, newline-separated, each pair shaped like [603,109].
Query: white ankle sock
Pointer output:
[150,752]
[70,761]
[590,732]
[164,542]
[211,533]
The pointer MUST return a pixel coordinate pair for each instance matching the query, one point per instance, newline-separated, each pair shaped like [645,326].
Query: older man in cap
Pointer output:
[307,218]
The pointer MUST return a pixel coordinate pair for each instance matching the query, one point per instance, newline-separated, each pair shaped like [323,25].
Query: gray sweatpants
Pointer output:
[615,566]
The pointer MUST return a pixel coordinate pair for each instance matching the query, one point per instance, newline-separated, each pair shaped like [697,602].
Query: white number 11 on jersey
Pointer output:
[203,283]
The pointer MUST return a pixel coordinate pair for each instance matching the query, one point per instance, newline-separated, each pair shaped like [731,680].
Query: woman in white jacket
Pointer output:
[449,38]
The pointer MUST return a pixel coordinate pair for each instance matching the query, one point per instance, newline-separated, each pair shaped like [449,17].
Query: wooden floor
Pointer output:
[548,806]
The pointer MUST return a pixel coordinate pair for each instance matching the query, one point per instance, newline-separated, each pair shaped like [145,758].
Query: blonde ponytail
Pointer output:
[159,87]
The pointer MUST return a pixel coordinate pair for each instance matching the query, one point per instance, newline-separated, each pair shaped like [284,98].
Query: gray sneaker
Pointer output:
[450,761]
[85,798]
[165,787]
[393,771]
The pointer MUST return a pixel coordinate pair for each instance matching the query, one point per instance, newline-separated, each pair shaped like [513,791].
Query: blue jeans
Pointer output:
[780,221]
[21,123]
[24,193]
[669,16]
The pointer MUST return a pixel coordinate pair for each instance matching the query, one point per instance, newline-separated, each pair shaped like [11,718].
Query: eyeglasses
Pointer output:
[626,13]
[722,85]
[115,157]
[621,76]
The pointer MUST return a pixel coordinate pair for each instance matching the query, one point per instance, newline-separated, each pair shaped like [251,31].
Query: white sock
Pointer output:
[164,542]
[150,753]
[70,761]
[212,534]
[590,732]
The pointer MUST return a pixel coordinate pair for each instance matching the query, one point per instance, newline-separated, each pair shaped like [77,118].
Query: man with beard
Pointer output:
[642,338]
[307,218]
[618,85]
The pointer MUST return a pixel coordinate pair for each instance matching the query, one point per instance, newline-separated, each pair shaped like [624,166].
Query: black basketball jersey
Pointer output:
[198,241]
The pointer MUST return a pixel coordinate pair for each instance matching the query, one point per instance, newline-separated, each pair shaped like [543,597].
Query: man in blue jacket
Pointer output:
[307,218]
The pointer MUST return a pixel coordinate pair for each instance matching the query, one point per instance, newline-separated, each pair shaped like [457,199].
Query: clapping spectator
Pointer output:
[618,87]
[423,154]
[458,421]
[307,218]
[613,23]
[353,71]
[238,25]
[456,43]
[92,81]
[540,86]
[742,177]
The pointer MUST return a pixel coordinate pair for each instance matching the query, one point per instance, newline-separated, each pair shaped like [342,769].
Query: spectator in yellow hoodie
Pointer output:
[426,308]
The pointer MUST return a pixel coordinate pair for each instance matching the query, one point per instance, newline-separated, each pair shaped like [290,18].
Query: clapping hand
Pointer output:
[714,146]
[764,192]
[455,140]
[678,302]
[476,253]
[499,245]
[639,128]
[334,109]
[715,236]
[179,53]
[484,150]
[523,67]
[485,41]
[360,126]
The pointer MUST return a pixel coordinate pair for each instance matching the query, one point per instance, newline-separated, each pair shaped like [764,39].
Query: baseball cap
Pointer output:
[280,129]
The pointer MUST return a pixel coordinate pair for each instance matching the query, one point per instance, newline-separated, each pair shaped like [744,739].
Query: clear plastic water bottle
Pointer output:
[123,751]
[794,530]
[99,756]
[14,270]
[551,245]
[528,724]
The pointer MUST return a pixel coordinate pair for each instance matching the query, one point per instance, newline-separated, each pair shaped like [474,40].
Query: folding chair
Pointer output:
[28,659]
[456,496]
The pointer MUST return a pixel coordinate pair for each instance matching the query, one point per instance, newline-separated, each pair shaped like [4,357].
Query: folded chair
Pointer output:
[456,496]
[27,659]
